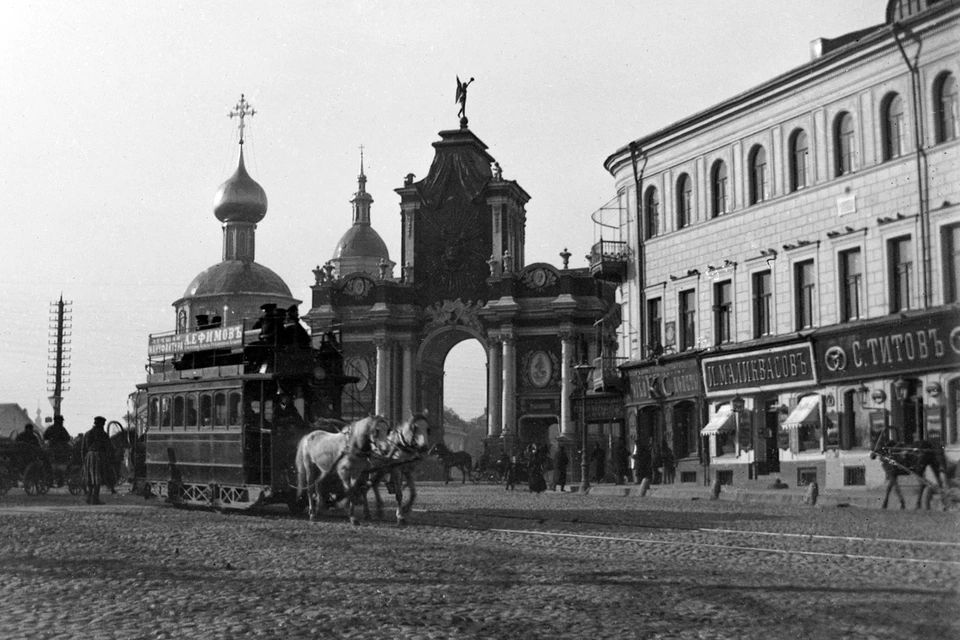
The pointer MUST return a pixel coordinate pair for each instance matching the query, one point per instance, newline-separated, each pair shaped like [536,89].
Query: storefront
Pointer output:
[664,408]
[900,373]
[765,414]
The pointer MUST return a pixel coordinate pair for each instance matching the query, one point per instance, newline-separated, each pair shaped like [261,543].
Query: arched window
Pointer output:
[844,143]
[178,418]
[684,201]
[652,205]
[718,185]
[758,175]
[946,104]
[893,132]
[799,160]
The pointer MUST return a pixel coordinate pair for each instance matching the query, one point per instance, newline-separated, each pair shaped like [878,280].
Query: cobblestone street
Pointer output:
[478,562]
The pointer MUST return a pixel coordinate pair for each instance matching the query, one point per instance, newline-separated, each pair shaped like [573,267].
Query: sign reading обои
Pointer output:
[773,368]
[219,338]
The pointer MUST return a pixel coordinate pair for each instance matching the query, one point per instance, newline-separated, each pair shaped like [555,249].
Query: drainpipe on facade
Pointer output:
[636,151]
[921,156]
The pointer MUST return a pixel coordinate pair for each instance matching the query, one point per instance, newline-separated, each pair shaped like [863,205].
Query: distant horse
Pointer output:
[916,459]
[452,459]
[406,445]
[345,455]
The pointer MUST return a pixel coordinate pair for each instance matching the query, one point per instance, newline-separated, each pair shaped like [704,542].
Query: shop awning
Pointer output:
[722,421]
[807,411]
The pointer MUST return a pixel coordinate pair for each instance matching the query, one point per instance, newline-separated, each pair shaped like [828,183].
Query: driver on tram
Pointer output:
[28,435]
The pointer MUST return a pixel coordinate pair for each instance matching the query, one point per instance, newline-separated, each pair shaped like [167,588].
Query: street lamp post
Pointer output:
[584,372]
[737,405]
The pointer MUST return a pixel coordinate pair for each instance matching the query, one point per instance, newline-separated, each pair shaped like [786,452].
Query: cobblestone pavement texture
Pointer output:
[478,562]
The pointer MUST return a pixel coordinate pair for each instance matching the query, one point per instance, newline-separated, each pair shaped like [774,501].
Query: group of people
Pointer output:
[96,452]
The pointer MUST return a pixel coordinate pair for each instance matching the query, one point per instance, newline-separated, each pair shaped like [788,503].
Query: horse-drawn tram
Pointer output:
[226,406]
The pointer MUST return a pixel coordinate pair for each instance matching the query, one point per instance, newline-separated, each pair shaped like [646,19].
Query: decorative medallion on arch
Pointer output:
[541,369]
[357,286]
[539,277]
[451,313]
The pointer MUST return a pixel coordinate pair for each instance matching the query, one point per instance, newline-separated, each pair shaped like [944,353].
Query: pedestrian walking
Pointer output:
[599,458]
[535,470]
[560,463]
[97,452]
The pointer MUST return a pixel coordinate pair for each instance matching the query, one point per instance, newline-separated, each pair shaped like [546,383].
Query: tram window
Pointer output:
[191,418]
[206,410]
[165,413]
[178,411]
[234,408]
[153,413]
[220,409]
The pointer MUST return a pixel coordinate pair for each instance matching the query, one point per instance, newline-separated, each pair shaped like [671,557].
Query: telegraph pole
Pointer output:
[58,352]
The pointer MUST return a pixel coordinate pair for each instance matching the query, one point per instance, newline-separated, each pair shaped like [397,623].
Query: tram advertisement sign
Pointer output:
[891,347]
[218,338]
[780,367]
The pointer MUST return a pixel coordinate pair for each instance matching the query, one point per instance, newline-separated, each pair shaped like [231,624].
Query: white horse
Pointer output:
[406,445]
[345,455]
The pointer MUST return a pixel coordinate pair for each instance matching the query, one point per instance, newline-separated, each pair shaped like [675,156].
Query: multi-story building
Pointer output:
[794,273]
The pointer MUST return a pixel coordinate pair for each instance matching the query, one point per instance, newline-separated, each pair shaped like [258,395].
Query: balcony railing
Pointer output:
[606,373]
[608,260]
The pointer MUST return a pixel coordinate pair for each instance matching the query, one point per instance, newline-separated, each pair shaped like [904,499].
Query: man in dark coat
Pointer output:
[599,457]
[28,436]
[57,434]
[560,469]
[97,452]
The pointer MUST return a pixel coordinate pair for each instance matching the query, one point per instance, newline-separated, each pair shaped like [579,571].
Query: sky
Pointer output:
[115,137]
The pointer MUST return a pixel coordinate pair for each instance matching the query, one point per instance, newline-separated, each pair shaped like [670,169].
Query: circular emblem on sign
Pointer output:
[541,369]
[835,359]
[955,339]
[358,367]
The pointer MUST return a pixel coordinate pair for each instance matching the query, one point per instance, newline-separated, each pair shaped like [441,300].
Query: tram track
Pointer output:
[726,538]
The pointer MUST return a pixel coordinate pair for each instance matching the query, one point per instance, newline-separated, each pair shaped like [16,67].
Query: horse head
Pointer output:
[413,434]
[368,435]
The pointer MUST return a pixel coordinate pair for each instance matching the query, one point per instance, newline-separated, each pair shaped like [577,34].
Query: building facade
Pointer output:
[794,277]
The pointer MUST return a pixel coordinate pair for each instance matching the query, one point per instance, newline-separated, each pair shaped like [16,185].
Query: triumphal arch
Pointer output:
[462,275]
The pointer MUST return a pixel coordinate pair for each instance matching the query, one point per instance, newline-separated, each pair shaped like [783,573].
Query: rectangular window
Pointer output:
[654,322]
[901,271]
[950,241]
[854,476]
[722,312]
[805,287]
[762,301]
[688,328]
[851,281]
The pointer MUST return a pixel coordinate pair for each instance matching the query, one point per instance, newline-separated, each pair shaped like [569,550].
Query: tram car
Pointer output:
[226,406]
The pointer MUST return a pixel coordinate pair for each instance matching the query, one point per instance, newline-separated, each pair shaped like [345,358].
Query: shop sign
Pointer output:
[666,382]
[601,408]
[774,368]
[549,406]
[901,346]
[219,338]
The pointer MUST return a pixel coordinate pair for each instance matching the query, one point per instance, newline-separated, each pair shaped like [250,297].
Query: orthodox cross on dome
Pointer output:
[241,110]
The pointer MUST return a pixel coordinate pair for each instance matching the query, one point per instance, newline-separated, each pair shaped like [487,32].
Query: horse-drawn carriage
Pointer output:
[916,459]
[39,467]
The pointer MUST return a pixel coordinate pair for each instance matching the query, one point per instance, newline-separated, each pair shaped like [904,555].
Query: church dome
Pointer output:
[362,241]
[233,277]
[240,198]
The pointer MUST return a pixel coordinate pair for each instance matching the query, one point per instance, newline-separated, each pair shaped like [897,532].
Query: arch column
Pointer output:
[509,424]
[383,377]
[494,399]
[567,426]
[408,382]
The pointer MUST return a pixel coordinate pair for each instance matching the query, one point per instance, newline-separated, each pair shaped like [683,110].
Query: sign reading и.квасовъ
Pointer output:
[771,368]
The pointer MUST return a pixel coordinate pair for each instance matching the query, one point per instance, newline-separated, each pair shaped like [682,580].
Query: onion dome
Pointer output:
[240,198]
[234,277]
